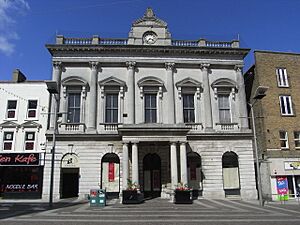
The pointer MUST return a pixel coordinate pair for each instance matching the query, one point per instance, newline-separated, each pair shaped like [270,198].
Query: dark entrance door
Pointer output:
[152,175]
[70,182]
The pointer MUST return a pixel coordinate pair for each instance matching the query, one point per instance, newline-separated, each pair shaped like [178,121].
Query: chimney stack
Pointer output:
[18,76]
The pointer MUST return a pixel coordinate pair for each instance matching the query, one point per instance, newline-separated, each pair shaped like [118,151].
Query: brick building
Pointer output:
[277,119]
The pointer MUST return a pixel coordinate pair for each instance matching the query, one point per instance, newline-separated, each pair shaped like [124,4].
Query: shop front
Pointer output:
[21,175]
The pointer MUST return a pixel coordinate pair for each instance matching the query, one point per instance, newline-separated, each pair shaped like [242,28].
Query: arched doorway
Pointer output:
[231,177]
[69,176]
[152,175]
[110,174]
[195,175]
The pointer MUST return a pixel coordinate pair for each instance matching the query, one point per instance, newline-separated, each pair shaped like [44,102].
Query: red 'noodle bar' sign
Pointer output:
[17,159]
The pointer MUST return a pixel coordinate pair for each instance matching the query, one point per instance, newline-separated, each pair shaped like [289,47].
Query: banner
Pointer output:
[282,185]
[111,172]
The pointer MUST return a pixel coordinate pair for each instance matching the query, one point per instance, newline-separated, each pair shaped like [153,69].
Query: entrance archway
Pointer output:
[195,175]
[152,175]
[69,176]
[231,177]
[110,174]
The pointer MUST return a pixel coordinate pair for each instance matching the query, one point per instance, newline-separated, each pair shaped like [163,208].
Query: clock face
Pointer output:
[150,38]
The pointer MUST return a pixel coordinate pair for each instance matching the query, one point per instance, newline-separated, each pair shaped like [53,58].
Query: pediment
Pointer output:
[188,82]
[149,19]
[150,81]
[74,81]
[29,124]
[224,82]
[112,81]
[9,124]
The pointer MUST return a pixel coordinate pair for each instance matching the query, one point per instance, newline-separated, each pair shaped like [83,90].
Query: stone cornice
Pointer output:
[57,50]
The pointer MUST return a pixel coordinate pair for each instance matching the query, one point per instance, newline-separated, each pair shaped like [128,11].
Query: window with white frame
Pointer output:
[8,139]
[111,108]
[11,109]
[297,139]
[74,102]
[282,78]
[284,142]
[286,107]
[32,109]
[188,108]
[150,108]
[29,140]
[224,108]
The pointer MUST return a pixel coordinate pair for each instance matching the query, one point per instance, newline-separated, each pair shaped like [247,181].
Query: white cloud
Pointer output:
[8,11]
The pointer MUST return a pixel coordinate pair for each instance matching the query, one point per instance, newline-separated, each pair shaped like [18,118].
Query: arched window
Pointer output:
[195,174]
[231,178]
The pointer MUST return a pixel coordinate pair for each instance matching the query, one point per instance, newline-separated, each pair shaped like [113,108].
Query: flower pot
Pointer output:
[183,197]
[132,197]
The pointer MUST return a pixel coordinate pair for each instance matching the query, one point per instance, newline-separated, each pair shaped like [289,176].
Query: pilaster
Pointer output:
[208,123]
[135,164]
[92,112]
[183,163]
[173,162]
[131,93]
[170,100]
[125,166]
[56,76]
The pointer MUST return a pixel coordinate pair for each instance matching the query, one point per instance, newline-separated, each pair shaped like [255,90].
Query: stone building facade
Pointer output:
[276,120]
[23,125]
[152,110]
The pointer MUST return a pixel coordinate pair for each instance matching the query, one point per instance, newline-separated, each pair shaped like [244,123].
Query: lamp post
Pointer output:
[259,94]
[52,88]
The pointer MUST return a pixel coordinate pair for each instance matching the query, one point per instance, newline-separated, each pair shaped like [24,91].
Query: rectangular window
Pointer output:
[150,108]
[297,139]
[11,109]
[188,108]
[32,108]
[284,143]
[111,108]
[8,140]
[74,101]
[282,79]
[286,105]
[29,140]
[224,108]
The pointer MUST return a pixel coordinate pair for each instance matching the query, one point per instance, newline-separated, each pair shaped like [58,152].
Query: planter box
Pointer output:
[132,197]
[183,197]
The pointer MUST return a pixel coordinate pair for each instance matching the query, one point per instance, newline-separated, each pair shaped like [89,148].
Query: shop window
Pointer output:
[150,108]
[29,140]
[8,140]
[11,109]
[188,108]
[286,105]
[74,101]
[224,108]
[32,109]
[297,139]
[282,78]
[111,108]
[284,143]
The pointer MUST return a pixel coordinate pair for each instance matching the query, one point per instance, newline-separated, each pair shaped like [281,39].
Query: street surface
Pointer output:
[155,211]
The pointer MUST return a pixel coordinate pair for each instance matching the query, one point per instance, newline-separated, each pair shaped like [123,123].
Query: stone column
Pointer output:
[92,110]
[207,101]
[56,76]
[242,104]
[183,163]
[135,164]
[125,166]
[169,98]
[131,93]
[174,173]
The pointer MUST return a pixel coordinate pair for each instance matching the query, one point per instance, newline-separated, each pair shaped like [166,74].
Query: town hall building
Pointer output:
[151,110]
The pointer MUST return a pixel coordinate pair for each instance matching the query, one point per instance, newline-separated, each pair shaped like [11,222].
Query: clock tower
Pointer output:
[149,30]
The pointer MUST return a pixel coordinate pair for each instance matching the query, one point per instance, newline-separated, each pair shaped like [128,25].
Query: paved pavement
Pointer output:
[155,211]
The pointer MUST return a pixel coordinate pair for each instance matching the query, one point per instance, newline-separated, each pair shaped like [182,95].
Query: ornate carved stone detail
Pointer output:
[198,92]
[204,66]
[57,65]
[160,92]
[121,92]
[65,91]
[83,92]
[102,92]
[169,66]
[238,68]
[130,65]
[94,65]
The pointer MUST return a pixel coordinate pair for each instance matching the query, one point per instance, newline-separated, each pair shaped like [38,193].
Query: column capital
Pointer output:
[173,142]
[169,66]
[57,65]
[130,65]
[204,66]
[238,67]
[183,142]
[94,65]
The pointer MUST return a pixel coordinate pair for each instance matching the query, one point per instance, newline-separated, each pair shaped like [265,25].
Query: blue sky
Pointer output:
[27,25]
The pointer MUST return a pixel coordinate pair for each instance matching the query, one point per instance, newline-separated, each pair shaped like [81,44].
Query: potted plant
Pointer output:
[132,194]
[183,194]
